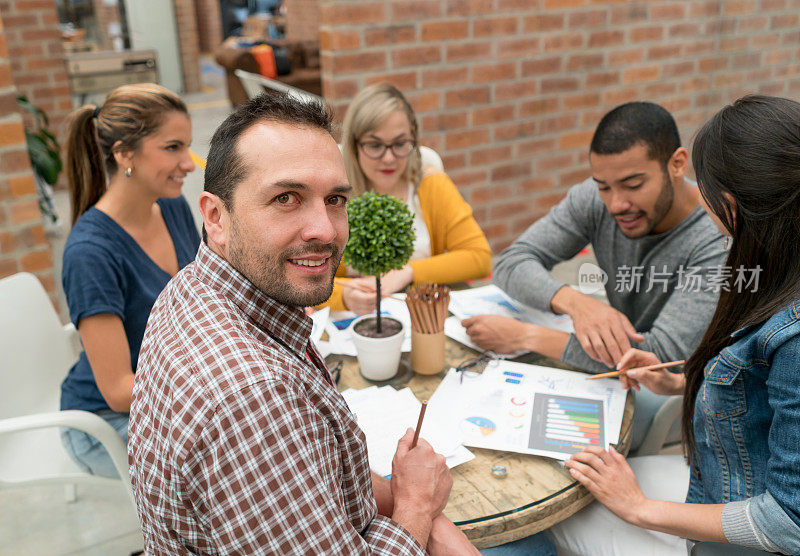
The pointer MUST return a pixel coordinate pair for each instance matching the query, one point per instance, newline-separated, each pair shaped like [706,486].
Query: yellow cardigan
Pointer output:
[460,250]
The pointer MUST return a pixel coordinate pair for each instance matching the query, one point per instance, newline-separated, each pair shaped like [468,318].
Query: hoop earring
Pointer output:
[129,172]
[725,241]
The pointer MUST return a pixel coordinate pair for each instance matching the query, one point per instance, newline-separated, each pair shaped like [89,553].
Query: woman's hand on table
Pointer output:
[360,294]
[658,381]
[396,280]
[607,475]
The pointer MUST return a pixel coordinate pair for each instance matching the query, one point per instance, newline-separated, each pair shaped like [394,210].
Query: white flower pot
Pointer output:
[378,358]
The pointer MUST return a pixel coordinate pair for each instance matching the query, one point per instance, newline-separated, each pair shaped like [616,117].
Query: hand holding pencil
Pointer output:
[639,368]
[421,480]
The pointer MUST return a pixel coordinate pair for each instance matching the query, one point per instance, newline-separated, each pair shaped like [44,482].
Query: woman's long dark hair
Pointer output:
[750,151]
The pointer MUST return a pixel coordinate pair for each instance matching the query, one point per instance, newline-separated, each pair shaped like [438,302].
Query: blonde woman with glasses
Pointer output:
[380,145]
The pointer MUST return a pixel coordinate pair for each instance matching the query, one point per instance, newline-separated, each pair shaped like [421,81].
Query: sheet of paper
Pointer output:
[319,320]
[491,300]
[528,409]
[339,339]
[384,414]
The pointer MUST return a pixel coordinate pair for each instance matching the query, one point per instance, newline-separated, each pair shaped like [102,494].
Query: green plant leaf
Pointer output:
[43,148]
[39,115]
[42,158]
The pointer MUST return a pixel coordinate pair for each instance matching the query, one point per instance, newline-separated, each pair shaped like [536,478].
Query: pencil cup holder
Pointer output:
[427,352]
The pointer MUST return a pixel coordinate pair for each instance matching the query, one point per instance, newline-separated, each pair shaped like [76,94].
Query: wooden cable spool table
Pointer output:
[535,493]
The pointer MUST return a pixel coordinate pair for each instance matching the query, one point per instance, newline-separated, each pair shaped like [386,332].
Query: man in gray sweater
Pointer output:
[659,251]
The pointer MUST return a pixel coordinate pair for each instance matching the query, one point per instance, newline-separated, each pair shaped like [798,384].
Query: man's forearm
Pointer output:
[419,525]
[382,490]
[564,299]
[546,341]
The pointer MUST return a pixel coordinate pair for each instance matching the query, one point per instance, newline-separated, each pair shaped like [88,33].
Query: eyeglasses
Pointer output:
[476,364]
[376,149]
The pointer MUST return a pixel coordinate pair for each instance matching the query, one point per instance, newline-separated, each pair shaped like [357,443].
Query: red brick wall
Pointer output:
[209,24]
[509,91]
[23,244]
[302,19]
[186,20]
[36,56]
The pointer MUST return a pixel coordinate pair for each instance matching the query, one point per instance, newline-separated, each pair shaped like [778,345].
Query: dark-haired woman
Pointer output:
[741,419]
[132,231]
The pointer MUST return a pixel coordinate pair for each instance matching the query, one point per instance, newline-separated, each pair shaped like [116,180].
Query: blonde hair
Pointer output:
[129,114]
[369,109]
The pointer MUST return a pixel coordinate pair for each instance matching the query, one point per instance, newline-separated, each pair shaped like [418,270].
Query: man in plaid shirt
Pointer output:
[239,441]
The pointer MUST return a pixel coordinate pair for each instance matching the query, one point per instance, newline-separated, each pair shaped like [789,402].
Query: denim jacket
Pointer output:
[747,432]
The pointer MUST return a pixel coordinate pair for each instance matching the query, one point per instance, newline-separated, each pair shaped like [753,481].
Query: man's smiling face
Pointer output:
[288,220]
[636,189]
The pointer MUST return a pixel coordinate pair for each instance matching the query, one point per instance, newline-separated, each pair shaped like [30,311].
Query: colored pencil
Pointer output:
[427,305]
[647,368]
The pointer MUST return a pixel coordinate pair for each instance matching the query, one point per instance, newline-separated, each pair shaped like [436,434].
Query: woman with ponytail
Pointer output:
[132,231]
[741,387]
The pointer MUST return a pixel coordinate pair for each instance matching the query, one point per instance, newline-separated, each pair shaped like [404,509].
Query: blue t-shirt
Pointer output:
[106,272]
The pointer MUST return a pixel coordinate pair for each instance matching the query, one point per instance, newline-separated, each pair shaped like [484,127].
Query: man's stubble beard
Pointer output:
[662,206]
[663,203]
[267,272]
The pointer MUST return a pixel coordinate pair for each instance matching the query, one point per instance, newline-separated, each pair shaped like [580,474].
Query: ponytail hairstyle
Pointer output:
[94,134]
[369,109]
[749,150]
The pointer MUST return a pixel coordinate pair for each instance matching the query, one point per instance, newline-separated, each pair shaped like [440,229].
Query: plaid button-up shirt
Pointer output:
[239,442]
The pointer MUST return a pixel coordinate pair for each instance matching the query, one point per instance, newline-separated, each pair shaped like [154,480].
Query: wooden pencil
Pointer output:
[427,305]
[419,423]
[647,368]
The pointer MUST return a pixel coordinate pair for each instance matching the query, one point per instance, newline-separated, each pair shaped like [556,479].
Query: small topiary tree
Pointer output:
[381,237]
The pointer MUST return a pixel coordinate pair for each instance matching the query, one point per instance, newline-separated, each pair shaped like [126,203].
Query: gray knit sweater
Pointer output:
[681,268]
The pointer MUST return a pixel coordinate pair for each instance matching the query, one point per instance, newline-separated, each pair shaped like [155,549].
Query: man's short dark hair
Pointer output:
[225,167]
[637,123]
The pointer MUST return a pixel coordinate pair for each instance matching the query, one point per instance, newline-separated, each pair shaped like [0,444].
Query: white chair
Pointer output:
[254,84]
[663,424]
[36,352]
[430,158]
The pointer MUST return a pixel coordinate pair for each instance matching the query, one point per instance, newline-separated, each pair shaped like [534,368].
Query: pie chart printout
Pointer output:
[566,424]
[477,427]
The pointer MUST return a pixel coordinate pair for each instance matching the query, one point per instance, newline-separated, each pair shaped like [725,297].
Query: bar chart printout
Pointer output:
[566,424]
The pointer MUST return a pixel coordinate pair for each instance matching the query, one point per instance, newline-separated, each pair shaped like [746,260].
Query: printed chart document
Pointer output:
[491,300]
[529,409]
[384,414]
